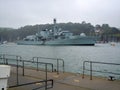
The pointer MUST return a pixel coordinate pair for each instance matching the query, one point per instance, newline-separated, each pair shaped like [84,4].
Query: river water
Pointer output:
[72,55]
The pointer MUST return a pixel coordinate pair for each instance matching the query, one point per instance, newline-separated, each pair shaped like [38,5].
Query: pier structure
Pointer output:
[35,78]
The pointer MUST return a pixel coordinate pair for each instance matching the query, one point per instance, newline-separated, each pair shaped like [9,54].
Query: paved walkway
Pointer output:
[63,81]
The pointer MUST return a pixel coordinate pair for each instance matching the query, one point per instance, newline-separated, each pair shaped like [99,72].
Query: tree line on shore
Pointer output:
[104,31]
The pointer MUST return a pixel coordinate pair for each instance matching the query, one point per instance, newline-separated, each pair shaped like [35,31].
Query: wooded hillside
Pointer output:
[104,31]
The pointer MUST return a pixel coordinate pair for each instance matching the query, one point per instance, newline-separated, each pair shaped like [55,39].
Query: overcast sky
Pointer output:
[17,13]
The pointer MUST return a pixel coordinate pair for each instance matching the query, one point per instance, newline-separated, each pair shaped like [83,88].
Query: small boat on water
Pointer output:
[57,37]
[112,43]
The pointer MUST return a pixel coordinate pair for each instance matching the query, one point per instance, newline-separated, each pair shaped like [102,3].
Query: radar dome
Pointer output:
[82,34]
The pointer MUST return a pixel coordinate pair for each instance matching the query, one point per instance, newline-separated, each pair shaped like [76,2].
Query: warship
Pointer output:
[57,37]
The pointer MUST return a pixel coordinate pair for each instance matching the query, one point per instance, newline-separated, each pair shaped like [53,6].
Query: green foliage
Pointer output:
[10,34]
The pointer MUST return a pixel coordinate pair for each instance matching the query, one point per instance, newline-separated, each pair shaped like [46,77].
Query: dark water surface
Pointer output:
[72,55]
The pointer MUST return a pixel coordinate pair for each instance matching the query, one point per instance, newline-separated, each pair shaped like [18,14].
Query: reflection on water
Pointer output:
[72,55]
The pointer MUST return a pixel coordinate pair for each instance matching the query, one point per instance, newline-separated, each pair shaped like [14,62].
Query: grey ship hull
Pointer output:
[29,42]
[74,41]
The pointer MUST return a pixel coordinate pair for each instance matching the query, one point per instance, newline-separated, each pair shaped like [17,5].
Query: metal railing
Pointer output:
[17,60]
[58,60]
[91,68]
[3,56]
[35,60]
[30,83]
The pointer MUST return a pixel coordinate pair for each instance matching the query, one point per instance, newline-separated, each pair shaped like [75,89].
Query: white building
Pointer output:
[4,74]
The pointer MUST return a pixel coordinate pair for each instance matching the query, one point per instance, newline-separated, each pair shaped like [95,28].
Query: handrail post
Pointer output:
[4,59]
[52,83]
[46,76]
[83,69]
[57,66]
[17,72]
[23,67]
[37,63]
[63,66]
[90,70]
[52,67]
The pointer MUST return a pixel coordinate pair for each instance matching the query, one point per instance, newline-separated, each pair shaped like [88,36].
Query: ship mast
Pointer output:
[55,27]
